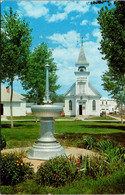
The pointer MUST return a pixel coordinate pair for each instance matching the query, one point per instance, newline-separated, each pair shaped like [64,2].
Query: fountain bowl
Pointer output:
[47,110]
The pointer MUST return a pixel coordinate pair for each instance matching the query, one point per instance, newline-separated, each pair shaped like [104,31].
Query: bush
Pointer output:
[88,143]
[107,144]
[3,142]
[97,167]
[112,184]
[14,169]
[59,171]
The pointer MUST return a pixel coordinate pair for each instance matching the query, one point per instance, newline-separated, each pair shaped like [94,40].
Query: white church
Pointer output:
[82,99]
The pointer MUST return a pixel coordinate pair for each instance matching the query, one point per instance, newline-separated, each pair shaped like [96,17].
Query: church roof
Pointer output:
[95,92]
[5,95]
[82,58]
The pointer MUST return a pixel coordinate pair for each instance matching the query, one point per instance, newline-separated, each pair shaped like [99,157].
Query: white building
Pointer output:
[19,103]
[82,99]
[108,105]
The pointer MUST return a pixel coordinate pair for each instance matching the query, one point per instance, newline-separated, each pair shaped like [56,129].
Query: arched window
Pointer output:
[70,104]
[93,105]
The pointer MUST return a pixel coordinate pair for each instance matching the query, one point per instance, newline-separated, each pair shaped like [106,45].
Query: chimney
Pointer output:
[7,89]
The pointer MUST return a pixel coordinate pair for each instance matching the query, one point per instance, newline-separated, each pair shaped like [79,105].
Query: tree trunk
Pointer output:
[122,113]
[11,105]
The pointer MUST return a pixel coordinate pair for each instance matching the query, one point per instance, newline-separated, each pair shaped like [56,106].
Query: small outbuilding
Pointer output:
[18,102]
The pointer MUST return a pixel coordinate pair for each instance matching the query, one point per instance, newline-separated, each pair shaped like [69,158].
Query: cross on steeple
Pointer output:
[81,41]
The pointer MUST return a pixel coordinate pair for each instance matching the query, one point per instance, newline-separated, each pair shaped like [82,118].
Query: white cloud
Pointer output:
[65,40]
[57,17]
[77,16]
[84,22]
[67,7]
[37,9]
[95,22]
[86,37]
[96,33]
[96,9]
[78,6]
[33,9]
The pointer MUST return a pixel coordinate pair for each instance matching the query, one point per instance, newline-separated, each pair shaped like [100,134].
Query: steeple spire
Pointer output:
[82,58]
[82,42]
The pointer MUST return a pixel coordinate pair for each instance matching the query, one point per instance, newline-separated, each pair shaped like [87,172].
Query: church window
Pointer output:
[93,105]
[70,104]
[82,68]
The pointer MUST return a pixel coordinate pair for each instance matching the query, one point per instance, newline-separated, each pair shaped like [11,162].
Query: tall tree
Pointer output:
[112,25]
[34,75]
[15,43]
[114,84]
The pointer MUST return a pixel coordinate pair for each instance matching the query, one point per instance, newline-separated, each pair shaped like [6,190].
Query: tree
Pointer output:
[15,43]
[112,25]
[115,86]
[57,98]
[34,75]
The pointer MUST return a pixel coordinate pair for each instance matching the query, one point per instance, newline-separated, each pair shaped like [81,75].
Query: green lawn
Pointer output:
[100,118]
[26,133]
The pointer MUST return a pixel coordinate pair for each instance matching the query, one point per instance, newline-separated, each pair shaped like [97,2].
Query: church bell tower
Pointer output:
[81,73]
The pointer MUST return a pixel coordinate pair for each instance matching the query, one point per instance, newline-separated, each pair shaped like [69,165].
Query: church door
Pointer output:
[1,109]
[80,109]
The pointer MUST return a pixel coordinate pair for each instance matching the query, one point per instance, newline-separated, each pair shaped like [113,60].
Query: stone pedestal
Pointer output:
[47,146]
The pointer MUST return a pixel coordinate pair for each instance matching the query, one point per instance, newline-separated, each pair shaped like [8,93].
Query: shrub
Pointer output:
[3,142]
[14,169]
[107,144]
[59,171]
[88,143]
[97,167]
[112,184]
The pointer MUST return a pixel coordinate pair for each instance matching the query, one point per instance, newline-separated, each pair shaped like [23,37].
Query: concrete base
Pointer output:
[45,151]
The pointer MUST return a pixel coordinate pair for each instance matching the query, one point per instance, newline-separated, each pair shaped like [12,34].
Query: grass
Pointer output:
[112,184]
[22,117]
[28,117]
[26,133]
[100,118]
[68,133]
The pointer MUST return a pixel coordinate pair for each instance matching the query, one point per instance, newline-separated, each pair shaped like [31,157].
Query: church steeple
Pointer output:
[82,58]
[81,66]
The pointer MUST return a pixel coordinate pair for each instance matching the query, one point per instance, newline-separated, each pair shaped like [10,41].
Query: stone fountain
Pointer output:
[47,146]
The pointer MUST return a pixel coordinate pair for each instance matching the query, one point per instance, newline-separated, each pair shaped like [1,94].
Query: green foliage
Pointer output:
[114,85]
[15,43]
[34,75]
[57,98]
[59,171]
[3,142]
[14,170]
[112,25]
[113,36]
[112,184]
[106,144]
[88,143]
[97,167]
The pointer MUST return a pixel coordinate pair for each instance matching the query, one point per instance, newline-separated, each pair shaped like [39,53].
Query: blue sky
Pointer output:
[61,24]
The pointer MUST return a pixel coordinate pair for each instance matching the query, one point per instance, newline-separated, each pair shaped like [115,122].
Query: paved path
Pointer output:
[116,118]
[73,151]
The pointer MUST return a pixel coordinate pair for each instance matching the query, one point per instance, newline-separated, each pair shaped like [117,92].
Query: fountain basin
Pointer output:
[47,110]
